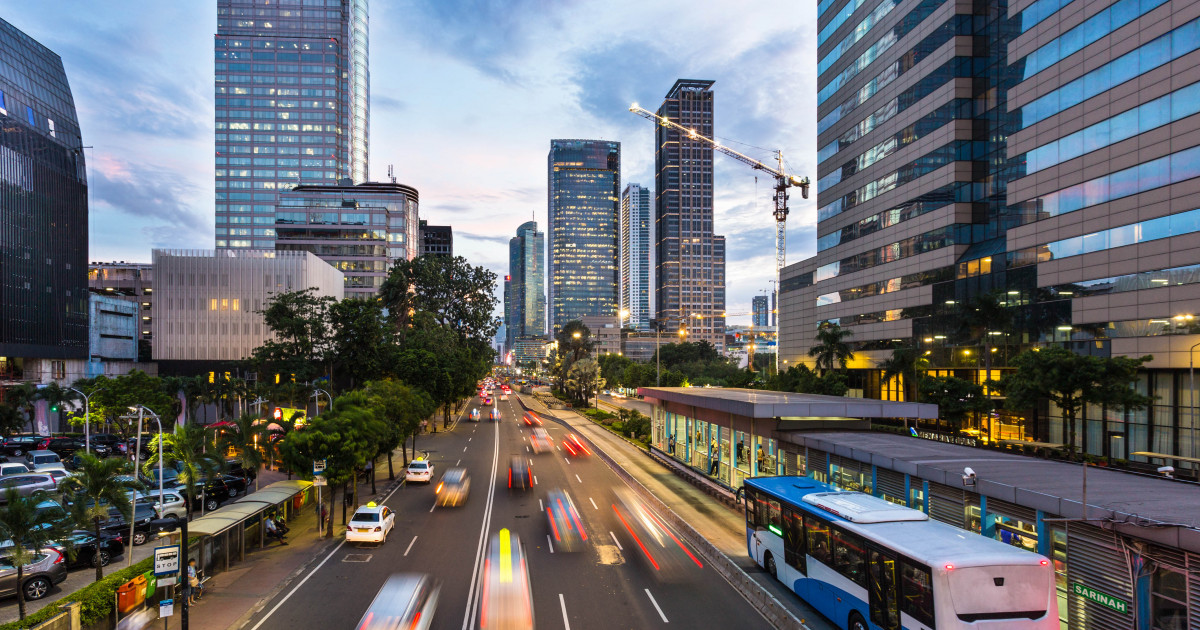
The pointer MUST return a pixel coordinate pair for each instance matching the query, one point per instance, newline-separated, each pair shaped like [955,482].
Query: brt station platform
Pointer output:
[1130,559]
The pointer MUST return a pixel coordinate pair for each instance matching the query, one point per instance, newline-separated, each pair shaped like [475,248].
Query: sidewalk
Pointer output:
[720,524]
[230,598]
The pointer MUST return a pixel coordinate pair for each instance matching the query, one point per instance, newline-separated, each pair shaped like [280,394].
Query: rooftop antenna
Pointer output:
[391,176]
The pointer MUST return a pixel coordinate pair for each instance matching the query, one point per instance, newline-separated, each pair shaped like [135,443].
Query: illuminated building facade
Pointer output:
[584,205]
[635,257]
[525,296]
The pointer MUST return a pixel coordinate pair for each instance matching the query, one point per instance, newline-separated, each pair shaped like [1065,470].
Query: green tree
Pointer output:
[955,398]
[114,397]
[299,323]
[1071,381]
[804,380]
[11,420]
[23,397]
[612,368]
[101,485]
[677,354]
[583,379]
[403,408]
[188,448]
[362,342]
[457,295]
[28,529]
[244,438]
[343,438]
[831,350]
[909,364]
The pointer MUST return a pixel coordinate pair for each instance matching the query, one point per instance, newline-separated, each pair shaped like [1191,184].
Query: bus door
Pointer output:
[882,591]
[794,548]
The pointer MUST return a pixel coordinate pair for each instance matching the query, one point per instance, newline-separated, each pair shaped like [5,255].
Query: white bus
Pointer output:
[868,564]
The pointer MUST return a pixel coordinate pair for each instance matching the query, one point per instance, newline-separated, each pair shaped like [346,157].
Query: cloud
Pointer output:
[612,77]
[381,102]
[490,238]
[145,192]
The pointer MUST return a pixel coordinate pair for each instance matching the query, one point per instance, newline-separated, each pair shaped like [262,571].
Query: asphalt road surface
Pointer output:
[606,585]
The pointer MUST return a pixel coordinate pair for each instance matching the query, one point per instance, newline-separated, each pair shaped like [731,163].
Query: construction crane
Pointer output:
[783,181]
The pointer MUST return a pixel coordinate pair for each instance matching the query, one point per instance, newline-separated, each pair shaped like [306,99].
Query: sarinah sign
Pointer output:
[1104,599]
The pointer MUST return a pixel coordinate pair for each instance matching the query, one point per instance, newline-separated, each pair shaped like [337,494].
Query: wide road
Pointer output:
[604,586]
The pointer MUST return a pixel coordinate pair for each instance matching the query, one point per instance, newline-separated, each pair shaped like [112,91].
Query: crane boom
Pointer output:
[783,181]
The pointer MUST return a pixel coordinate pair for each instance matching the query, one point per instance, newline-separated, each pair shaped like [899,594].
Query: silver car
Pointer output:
[47,569]
[26,484]
[406,600]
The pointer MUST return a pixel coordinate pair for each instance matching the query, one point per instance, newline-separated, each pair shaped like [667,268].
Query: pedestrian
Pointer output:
[195,589]
[762,458]
[273,531]
[323,515]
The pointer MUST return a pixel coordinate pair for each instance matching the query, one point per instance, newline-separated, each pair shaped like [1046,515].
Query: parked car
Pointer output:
[41,457]
[13,468]
[83,549]
[26,484]
[57,472]
[210,492]
[47,569]
[63,446]
[234,467]
[170,505]
[236,485]
[18,445]
[113,444]
[143,514]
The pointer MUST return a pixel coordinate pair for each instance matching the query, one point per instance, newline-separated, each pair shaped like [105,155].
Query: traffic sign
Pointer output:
[320,481]
[166,608]
[166,560]
[318,466]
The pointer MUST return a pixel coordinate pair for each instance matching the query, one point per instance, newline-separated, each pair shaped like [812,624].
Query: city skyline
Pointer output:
[548,73]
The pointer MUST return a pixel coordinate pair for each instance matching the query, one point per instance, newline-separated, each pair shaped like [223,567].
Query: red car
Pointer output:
[531,419]
[575,446]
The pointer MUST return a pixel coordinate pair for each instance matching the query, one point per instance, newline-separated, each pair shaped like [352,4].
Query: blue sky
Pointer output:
[465,99]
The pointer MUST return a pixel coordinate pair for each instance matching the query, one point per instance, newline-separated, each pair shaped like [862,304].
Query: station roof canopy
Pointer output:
[758,403]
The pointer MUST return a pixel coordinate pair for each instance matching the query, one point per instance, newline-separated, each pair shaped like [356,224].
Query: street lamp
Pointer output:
[317,406]
[136,456]
[87,416]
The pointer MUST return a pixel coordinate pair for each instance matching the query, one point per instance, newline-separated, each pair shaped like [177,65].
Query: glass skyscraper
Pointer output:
[43,214]
[635,257]
[292,106]
[360,230]
[690,279]
[584,192]
[525,284]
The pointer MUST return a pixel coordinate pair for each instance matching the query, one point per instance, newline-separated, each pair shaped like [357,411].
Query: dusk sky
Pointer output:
[465,97]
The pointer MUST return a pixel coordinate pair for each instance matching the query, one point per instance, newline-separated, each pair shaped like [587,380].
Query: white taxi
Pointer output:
[371,523]
[419,469]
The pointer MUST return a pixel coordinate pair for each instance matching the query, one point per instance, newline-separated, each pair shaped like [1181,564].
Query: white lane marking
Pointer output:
[472,601]
[410,545]
[458,462]
[541,506]
[594,506]
[563,603]
[433,506]
[464,449]
[527,448]
[660,612]
[535,480]
[335,550]
[614,537]
[577,477]
[565,459]
[530,462]
[469,439]
[549,542]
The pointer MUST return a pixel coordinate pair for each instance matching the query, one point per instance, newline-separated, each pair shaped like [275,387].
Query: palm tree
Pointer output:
[283,426]
[102,484]
[907,363]
[29,530]
[244,438]
[187,447]
[23,397]
[831,348]
[55,396]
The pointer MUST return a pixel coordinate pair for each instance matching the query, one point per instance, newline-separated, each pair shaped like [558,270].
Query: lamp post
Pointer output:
[133,499]
[317,405]
[87,416]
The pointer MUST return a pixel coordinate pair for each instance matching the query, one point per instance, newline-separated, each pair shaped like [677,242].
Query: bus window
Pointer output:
[752,499]
[884,608]
[818,540]
[916,592]
[793,541]
[849,557]
[774,516]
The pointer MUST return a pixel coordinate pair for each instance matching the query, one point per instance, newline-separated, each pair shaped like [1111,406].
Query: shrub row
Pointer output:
[97,599]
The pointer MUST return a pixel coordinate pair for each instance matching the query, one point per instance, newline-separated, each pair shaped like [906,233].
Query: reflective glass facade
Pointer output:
[360,230]
[635,257]
[690,259]
[292,94]
[582,259]
[525,285]
[43,209]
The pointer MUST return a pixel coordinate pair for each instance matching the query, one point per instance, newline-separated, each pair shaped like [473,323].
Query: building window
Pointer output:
[1168,600]
[58,370]
[30,117]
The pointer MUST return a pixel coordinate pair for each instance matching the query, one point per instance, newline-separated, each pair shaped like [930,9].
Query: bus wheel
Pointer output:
[769,560]
[856,622]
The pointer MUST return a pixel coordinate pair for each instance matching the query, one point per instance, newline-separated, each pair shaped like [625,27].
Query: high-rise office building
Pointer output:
[292,107]
[994,178]
[635,257]
[437,240]
[360,230]
[584,203]
[759,316]
[690,260]
[525,284]
[43,216]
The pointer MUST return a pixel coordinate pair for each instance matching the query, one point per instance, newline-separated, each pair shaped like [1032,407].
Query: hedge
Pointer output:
[96,599]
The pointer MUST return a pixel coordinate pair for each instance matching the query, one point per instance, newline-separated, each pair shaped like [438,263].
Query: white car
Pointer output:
[419,469]
[540,439]
[371,523]
[171,505]
[503,395]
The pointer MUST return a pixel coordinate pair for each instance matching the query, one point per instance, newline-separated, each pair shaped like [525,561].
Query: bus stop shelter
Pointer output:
[225,533]
[728,434]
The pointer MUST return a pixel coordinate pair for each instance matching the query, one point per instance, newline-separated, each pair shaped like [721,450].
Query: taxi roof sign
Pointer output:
[372,504]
